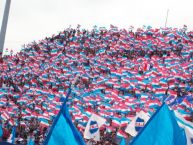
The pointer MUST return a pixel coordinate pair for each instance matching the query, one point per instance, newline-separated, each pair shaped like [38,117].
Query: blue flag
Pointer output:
[161,129]
[1,130]
[31,141]
[63,132]
[11,138]
[123,142]
[13,134]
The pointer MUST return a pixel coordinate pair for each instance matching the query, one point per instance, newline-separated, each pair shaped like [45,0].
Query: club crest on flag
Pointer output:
[93,127]
[139,124]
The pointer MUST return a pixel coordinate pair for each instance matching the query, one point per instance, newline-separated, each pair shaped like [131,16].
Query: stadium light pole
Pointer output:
[4,25]
[166,18]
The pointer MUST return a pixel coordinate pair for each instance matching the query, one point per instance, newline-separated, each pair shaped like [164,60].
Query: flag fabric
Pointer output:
[161,129]
[1,130]
[121,134]
[189,135]
[5,116]
[11,138]
[63,132]
[137,123]
[182,122]
[187,126]
[123,142]
[44,123]
[31,141]
[13,134]
[93,127]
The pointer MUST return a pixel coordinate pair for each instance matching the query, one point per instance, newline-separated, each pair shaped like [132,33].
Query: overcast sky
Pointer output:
[35,19]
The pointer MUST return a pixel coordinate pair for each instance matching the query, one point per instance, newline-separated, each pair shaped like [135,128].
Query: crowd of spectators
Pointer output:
[121,72]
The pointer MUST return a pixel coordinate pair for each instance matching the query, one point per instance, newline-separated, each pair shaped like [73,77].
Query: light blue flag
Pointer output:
[161,129]
[1,130]
[63,132]
[31,141]
[13,134]
[11,138]
[123,142]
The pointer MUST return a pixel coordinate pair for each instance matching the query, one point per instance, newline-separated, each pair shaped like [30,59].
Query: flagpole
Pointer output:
[70,88]
[4,26]
[166,18]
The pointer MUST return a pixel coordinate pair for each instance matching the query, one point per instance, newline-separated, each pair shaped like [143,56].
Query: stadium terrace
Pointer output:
[121,73]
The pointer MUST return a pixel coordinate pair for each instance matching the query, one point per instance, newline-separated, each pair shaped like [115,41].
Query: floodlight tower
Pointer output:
[166,18]
[4,25]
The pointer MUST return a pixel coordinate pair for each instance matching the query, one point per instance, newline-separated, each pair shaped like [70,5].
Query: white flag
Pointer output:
[93,126]
[137,123]
[187,126]
[189,135]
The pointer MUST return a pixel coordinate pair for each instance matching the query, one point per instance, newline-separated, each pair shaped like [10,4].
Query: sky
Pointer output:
[33,20]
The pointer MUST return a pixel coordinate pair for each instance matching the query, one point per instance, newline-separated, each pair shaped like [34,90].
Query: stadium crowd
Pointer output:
[121,72]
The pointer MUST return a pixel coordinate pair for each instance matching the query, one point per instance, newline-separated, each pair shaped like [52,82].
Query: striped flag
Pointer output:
[121,134]
[93,127]
[5,116]
[137,123]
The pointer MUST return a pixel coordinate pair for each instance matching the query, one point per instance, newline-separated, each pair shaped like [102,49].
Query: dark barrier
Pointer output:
[6,143]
